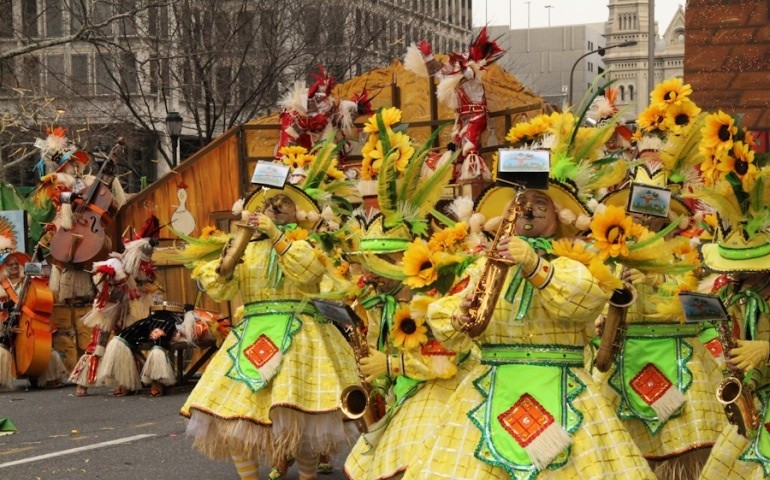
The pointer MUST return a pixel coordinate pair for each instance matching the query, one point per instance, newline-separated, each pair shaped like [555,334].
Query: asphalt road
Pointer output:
[63,437]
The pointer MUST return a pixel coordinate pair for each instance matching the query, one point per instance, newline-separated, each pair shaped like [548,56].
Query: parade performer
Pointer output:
[167,323]
[404,362]
[737,189]
[306,113]
[125,284]
[461,88]
[272,391]
[528,409]
[11,280]
[63,183]
[674,417]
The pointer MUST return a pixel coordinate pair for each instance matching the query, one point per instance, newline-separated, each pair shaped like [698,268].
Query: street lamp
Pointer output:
[174,128]
[600,51]
[549,7]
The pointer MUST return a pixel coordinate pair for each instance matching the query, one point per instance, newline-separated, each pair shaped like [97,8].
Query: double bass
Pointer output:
[87,240]
[29,324]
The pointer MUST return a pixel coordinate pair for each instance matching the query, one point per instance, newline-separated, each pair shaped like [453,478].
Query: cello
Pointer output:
[87,240]
[29,324]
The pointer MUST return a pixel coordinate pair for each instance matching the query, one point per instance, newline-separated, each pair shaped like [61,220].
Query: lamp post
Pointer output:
[549,7]
[174,128]
[600,51]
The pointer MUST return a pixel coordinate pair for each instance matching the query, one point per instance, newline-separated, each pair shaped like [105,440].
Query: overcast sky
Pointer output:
[564,12]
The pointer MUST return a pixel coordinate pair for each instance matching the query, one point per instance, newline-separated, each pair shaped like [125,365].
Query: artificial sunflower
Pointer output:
[719,132]
[408,333]
[402,144]
[419,265]
[743,165]
[372,158]
[653,118]
[390,116]
[524,132]
[210,230]
[612,230]
[681,115]
[295,156]
[709,167]
[671,92]
[572,248]
[444,240]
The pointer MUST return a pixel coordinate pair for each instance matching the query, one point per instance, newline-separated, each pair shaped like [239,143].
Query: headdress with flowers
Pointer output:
[405,199]
[736,183]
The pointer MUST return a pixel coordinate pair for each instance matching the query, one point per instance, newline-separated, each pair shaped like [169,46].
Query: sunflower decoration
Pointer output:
[671,92]
[613,231]
[734,181]
[681,115]
[385,141]
[296,234]
[295,156]
[435,265]
[527,133]
[408,333]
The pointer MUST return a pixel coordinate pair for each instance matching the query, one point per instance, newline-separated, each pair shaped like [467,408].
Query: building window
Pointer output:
[80,78]
[128,75]
[590,45]
[53,18]
[101,13]
[631,93]
[622,93]
[55,66]
[103,76]
[590,67]
[6,21]
[29,17]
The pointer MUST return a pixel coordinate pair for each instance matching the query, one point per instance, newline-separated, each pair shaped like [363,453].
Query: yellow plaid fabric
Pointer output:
[313,373]
[558,315]
[702,417]
[404,434]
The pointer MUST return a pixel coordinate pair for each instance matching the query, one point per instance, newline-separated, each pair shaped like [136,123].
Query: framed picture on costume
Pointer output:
[699,307]
[14,222]
[649,200]
[269,174]
[524,167]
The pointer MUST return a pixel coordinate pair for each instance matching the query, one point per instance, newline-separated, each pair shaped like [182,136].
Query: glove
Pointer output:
[425,48]
[266,225]
[7,305]
[633,275]
[750,354]
[374,365]
[520,252]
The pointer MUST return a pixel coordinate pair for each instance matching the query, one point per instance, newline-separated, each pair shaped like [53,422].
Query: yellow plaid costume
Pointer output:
[300,405]
[601,447]
[724,461]
[701,418]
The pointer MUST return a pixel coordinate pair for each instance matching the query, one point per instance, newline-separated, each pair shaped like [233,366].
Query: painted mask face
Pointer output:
[539,217]
[12,267]
[281,209]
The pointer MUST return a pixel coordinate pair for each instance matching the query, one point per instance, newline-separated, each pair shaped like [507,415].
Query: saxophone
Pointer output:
[233,251]
[357,401]
[613,332]
[731,393]
[490,284]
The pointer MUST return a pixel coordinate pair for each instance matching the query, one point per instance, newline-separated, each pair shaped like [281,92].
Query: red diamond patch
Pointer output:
[525,420]
[650,383]
[715,347]
[261,351]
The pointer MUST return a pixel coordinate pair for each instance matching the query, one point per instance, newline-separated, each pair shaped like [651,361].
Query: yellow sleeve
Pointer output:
[572,292]
[427,367]
[439,316]
[219,292]
[301,263]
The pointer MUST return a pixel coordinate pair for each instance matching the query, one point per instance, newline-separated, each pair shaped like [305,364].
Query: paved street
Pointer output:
[63,437]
